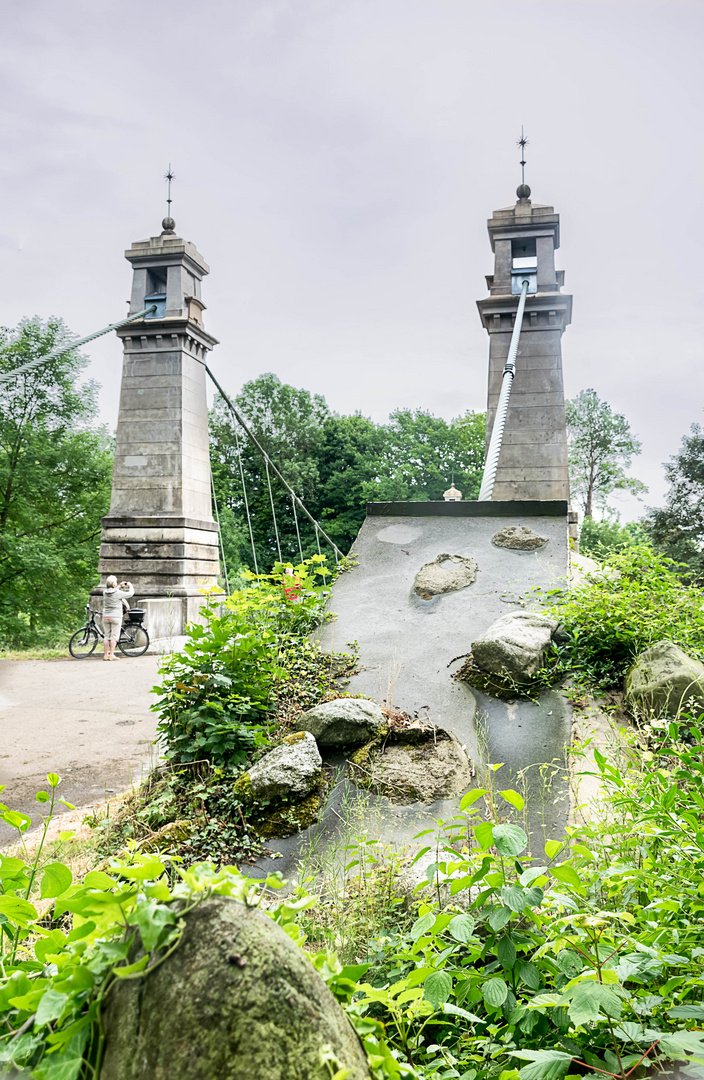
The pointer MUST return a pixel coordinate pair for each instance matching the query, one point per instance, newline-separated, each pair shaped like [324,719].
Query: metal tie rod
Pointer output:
[497,432]
[63,349]
[266,457]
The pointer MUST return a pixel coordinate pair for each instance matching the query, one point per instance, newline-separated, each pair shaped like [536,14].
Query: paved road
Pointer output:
[88,721]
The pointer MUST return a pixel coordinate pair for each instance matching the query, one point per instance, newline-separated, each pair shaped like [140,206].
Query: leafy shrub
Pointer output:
[599,539]
[636,601]
[216,694]
[589,962]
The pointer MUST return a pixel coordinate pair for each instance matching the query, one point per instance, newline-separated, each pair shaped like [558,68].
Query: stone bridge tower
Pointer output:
[160,533]
[533,460]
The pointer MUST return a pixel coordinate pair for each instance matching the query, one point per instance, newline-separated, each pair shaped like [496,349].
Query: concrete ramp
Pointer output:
[407,646]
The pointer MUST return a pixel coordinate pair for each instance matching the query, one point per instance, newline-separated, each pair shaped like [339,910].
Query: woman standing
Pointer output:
[113,595]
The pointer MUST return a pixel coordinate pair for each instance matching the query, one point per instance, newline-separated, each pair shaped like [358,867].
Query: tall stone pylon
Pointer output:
[160,533]
[533,461]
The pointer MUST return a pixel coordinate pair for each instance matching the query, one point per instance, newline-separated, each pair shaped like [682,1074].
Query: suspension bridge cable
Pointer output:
[217,519]
[246,501]
[497,431]
[266,457]
[63,349]
[273,511]
[298,532]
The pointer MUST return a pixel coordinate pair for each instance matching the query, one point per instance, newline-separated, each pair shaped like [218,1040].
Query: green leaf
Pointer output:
[484,834]
[587,1000]
[514,897]
[53,779]
[148,870]
[422,925]
[471,797]
[552,847]
[506,952]
[437,988]
[513,798]
[531,874]
[461,927]
[528,974]
[687,1012]
[97,879]
[50,1007]
[43,796]
[510,840]
[16,819]
[545,1064]
[499,917]
[18,910]
[494,992]
[56,879]
[152,918]
[567,875]
[455,1010]
[680,1045]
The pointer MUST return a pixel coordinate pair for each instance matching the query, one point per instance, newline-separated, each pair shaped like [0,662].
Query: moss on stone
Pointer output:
[283,818]
[296,737]
[243,789]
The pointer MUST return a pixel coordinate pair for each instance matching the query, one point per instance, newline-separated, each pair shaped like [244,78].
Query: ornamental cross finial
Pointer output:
[522,142]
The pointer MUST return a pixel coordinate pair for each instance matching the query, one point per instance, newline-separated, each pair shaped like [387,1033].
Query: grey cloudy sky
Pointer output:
[336,162]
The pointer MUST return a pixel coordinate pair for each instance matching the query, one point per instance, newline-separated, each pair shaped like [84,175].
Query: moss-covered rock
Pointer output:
[237,1000]
[435,767]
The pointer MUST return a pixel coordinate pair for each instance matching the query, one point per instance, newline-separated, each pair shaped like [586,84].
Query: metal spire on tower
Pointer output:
[523,190]
[168,224]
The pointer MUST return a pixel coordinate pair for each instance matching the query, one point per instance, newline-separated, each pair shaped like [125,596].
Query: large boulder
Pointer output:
[343,722]
[406,772]
[664,678]
[237,1000]
[289,771]
[447,573]
[514,645]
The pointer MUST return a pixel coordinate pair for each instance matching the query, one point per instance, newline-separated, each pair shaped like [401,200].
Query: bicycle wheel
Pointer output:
[133,641]
[83,642]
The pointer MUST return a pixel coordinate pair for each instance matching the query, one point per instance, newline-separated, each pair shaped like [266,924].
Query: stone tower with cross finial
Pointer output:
[160,533]
[533,460]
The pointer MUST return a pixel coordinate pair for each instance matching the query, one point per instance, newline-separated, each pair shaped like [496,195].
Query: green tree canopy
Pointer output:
[336,464]
[55,470]
[677,529]
[601,448]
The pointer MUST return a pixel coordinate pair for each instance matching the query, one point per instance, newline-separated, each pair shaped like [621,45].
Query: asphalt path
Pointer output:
[88,721]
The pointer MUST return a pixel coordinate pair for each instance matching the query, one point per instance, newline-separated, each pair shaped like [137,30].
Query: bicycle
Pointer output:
[133,639]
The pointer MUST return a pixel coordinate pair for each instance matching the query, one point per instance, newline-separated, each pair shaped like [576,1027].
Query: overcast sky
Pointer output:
[336,162]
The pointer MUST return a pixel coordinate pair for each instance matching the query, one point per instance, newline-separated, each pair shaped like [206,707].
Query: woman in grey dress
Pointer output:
[113,596]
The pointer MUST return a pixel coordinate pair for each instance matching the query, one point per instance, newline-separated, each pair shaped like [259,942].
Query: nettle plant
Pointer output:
[582,965]
[219,692]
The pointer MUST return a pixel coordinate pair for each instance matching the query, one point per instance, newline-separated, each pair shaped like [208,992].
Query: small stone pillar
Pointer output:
[160,533]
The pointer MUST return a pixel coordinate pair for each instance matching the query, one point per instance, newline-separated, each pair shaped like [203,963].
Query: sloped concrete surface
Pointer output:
[407,647]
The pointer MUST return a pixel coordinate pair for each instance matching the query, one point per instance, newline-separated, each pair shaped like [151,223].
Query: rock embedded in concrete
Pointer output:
[290,770]
[435,768]
[237,1000]
[664,678]
[514,645]
[343,722]
[446,573]
[518,538]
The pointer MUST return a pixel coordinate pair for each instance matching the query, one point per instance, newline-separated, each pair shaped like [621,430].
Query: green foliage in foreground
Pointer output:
[637,600]
[233,675]
[588,961]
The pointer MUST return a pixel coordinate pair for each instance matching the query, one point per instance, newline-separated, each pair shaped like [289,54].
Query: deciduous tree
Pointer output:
[601,448]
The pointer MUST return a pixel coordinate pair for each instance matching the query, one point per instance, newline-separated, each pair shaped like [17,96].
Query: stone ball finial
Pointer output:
[523,191]
[168,225]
